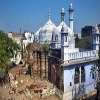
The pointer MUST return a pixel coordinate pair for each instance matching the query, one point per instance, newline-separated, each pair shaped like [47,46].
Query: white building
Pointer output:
[79,75]
[70,69]
[28,38]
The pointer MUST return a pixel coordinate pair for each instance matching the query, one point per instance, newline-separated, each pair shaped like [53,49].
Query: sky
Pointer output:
[30,15]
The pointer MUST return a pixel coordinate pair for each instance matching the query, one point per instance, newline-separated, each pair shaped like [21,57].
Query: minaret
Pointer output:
[64,44]
[71,19]
[62,14]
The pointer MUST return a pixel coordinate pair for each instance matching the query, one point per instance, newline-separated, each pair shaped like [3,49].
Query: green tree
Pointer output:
[7,50]
[83,42]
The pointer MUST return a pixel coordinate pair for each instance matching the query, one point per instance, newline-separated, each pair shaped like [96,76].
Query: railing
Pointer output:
[77,56]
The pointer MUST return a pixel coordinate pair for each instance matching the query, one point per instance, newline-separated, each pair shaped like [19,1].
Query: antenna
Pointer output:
[20,30]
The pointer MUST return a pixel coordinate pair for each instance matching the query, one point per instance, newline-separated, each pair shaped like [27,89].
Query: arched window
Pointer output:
[56,38]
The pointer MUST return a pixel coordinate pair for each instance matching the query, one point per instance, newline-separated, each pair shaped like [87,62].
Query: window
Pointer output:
[65,38]
[56,38]
[77,75]
[98,38]
[82,74]
[92,73]
[70,83]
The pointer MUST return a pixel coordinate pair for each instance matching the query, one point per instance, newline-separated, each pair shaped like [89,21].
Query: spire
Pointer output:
[71,19]
[62,14]
[49,14]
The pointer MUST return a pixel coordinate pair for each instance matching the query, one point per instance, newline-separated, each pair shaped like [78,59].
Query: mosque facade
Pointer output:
[69,69]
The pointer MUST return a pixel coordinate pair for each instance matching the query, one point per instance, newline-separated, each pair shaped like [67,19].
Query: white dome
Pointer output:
[45,32]
[66,28]
[49,27]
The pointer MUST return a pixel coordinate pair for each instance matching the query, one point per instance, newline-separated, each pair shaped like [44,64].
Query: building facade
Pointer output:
[70,69]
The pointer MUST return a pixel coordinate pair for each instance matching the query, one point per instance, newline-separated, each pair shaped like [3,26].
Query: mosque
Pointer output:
[50,33]
[69,68]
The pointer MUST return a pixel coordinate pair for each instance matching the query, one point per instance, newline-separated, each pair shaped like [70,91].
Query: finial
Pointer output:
[49,14]
[71,5]
[62,10]
[71,8]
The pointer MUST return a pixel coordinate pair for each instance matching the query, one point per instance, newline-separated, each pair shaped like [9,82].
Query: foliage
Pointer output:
[7,49]
[84,42]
